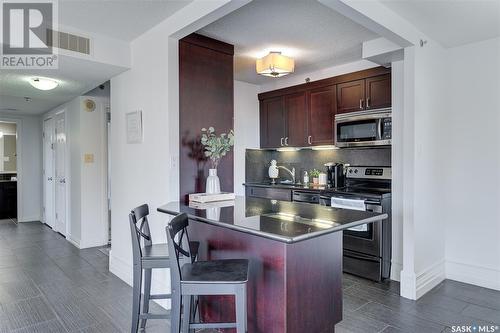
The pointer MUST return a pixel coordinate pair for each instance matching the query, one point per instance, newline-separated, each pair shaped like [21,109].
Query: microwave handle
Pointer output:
[379,128]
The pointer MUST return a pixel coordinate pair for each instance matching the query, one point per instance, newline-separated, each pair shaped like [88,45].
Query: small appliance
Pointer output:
[363,128]
[335,174]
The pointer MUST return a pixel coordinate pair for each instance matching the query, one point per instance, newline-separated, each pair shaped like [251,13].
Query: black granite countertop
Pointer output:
[287,222]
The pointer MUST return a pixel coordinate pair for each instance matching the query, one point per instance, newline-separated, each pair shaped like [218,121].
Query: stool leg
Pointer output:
[175,314]
[136,298]
[147,293]
[241,309]
[186,313]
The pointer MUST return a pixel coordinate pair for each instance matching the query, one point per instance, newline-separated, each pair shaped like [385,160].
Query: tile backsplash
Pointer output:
[257,161]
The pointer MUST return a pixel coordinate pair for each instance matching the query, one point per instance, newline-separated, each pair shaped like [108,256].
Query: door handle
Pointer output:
[361,104]
[368,102]
[286,141]
[309,139]
[282,142]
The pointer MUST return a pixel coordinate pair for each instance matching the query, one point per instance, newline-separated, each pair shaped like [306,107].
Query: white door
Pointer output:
[48,172]
[60,174]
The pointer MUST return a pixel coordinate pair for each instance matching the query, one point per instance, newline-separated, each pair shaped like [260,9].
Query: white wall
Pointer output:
[141,173]
[246,128]
[29,166]
[471,164]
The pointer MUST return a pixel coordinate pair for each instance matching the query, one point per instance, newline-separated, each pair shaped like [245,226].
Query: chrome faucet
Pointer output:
[291,172]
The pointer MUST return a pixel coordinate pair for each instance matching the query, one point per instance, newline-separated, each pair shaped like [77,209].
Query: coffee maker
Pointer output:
[335,175]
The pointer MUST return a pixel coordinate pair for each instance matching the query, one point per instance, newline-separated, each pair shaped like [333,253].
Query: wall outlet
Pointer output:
[88,158]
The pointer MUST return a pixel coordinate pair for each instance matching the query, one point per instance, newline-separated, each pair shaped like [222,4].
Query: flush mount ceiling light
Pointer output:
[275,65]
[43,83]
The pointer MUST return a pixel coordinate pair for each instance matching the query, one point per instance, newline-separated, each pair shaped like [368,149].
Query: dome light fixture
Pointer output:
[43,83]
[275,65]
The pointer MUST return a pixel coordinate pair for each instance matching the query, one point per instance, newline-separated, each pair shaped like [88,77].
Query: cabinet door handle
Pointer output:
[309,140]
[286,141]
[361,104]
[368,102]
[281,142]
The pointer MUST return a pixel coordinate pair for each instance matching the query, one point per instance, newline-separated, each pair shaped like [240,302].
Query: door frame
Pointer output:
[67,168]
[19,163]
[44,173]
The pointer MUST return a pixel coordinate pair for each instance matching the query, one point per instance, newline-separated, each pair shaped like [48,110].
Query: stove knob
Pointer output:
[350,170]
[356,171]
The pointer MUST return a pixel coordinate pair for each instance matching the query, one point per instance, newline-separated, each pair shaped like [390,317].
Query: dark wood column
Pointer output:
[205,99]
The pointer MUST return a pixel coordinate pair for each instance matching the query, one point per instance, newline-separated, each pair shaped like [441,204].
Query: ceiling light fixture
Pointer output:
[43,83]
[275,65]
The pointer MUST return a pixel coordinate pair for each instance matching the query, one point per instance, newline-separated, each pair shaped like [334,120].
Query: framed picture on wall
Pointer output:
[134,127]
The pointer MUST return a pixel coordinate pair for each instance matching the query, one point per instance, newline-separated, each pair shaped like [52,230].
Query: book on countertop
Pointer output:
[212,204]
[211,197]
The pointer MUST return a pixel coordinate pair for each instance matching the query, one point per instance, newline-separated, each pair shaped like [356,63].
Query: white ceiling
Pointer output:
[76,77]
[120,19]
[451,22]
[313,34]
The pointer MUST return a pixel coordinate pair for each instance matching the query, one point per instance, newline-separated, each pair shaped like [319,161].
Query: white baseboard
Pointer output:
[120,268]
[396,269]
[123,270]
[477,275]
[429,278]
[73,241]
[34,218]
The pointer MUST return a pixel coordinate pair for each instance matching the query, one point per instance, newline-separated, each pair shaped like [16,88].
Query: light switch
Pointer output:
[88,158]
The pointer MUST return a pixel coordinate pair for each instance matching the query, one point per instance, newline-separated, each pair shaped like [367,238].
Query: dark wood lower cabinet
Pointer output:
[269,193]
[8,199]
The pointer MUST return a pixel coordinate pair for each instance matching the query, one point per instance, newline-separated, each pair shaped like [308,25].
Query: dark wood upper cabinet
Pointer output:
[321,113]
[296,119]
[351,96]
[304,115]
[272,122]
[378,92]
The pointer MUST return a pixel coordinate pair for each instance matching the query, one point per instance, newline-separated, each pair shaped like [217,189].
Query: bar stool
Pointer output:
[217,277]
[147,258]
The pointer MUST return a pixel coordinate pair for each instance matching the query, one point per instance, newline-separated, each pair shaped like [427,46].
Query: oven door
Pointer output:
[367,237]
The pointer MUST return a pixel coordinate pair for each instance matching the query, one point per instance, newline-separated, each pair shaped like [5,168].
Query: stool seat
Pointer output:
[160,251]
[155,252]
[216,271]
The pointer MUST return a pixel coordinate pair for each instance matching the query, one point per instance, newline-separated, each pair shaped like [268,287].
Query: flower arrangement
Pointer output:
[216,147]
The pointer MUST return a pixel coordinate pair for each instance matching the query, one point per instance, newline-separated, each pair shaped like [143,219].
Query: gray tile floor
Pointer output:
[48,285]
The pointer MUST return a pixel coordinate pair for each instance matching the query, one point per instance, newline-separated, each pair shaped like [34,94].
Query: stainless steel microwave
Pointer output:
[363,128]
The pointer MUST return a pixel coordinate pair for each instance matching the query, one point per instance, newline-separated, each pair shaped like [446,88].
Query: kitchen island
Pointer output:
[295,253]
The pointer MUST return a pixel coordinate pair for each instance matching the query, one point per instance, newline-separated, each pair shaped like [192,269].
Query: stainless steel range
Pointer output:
[367,248]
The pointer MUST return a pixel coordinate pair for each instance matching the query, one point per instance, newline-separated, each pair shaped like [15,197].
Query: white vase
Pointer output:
[213,183]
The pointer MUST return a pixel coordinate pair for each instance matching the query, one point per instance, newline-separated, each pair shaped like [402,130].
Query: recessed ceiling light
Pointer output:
[43,83]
